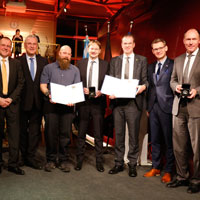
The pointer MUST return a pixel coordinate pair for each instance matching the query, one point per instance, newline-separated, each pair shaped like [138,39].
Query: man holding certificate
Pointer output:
[58,117]
[93,71]
[128,66]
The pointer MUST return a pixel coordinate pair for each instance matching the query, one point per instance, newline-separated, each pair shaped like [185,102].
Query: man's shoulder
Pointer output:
[13,60]
[74,68]
[182,56]
[137,56]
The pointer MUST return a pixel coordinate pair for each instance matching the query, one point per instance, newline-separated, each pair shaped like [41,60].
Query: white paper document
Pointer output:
[67,94]
[121,88]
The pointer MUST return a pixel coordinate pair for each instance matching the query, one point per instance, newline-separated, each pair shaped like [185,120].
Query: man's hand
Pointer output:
[5,102]
[51,100]
[98,94]
[179,88]
[193,94]
[70,104]
[112,97]
[140,89]
[86,91]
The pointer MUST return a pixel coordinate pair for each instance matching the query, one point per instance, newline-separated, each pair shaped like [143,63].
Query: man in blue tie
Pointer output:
[31,103]
[159,109]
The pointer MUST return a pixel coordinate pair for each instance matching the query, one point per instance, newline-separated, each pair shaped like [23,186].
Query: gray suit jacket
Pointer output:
[140,73]
[194,80]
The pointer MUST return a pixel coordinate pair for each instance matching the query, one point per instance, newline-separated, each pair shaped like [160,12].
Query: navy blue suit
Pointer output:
[160,100]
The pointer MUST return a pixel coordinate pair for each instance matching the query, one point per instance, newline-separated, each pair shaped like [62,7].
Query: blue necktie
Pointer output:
[32,68]
[158,71]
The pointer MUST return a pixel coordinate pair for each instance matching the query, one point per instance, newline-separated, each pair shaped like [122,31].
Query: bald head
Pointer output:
[191,40]
[64,57]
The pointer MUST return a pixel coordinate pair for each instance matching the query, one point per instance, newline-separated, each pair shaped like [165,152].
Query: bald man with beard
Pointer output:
[58,117]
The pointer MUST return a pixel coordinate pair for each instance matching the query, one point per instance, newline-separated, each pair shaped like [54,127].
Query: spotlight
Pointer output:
[65,10]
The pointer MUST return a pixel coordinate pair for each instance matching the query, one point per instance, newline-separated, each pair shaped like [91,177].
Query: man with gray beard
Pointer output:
[58,117]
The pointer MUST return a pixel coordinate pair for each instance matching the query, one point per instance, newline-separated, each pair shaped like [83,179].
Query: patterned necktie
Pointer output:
[158,71]
[186,71]
[90,74]
[127,68]
[32,68]
[4,77]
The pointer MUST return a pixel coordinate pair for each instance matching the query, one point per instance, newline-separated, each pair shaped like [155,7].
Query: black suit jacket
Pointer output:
[140,73]
[103,70]
[31,92]
[160,88]
[15,85]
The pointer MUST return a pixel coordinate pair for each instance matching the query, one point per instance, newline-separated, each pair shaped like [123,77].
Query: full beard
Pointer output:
[64,63]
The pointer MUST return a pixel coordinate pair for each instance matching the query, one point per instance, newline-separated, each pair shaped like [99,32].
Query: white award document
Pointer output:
[121,88]
[67,94]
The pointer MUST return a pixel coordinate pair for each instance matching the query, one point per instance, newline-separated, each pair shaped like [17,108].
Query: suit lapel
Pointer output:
[100,73]
[11,73]
[119,68]
[194,66]
[135,67]
[164,69]
[181,65]
[26,67]
[84,71]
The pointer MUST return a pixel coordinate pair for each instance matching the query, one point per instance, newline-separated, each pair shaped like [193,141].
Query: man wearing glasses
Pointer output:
[159,108]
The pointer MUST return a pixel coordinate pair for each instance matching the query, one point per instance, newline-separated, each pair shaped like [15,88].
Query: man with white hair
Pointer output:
[58,117]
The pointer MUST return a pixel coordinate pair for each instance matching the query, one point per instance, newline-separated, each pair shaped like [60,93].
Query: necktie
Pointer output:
[158,71]
[4,77]
[90,74]
[127,68]
[32,68]
[186,71]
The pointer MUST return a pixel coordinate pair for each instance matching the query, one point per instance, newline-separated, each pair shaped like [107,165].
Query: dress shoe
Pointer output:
[33,164]
[99,167]
[166,178]
[152,172]
[132,171]
[116,169]
[16,170]
[49,166]
[64,167]
[177,183]
[193,188]
[78,166]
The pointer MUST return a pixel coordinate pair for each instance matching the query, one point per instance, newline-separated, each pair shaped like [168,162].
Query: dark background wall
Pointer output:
[168,19]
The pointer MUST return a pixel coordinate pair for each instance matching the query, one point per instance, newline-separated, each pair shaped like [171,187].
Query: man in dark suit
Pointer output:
[186,112]
[31,102]
[11,84]
[92,71]
[160,99]
[128,66]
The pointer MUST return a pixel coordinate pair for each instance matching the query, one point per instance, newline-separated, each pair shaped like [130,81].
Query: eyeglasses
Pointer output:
[158,49]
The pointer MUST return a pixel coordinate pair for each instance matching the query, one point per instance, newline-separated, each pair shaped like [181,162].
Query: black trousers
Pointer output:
[12,122]
[58,128]
[30,133]
[127,113]
[87,112]
[161,126]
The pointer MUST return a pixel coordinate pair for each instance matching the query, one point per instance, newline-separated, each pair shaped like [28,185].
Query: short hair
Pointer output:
[157,40]
[17,30]
[94,42]
[31,36]
[129,35]
[7,38]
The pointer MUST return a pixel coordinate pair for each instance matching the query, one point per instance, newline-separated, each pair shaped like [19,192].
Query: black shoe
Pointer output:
[16,170]
[116,169]
[177,183]
[78,166]
[0,169]
[49,166]
[132,171]
[64,167]
[33,164]
[193,188]
[99,167]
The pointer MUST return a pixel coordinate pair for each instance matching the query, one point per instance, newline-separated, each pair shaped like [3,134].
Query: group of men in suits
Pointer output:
[164,82]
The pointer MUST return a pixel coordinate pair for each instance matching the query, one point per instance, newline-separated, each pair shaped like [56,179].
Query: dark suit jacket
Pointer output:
[193,106]
[140,73]
[16,83]
[31,92]
[103,70]
[161,88]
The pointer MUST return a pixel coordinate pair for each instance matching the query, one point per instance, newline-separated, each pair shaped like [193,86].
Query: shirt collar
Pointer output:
[28,57]
[194,53]
[95,60]
[162,61]
[3,58]
[130,56]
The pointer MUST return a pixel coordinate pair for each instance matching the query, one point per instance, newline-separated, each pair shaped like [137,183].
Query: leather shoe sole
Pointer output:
[78,166]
